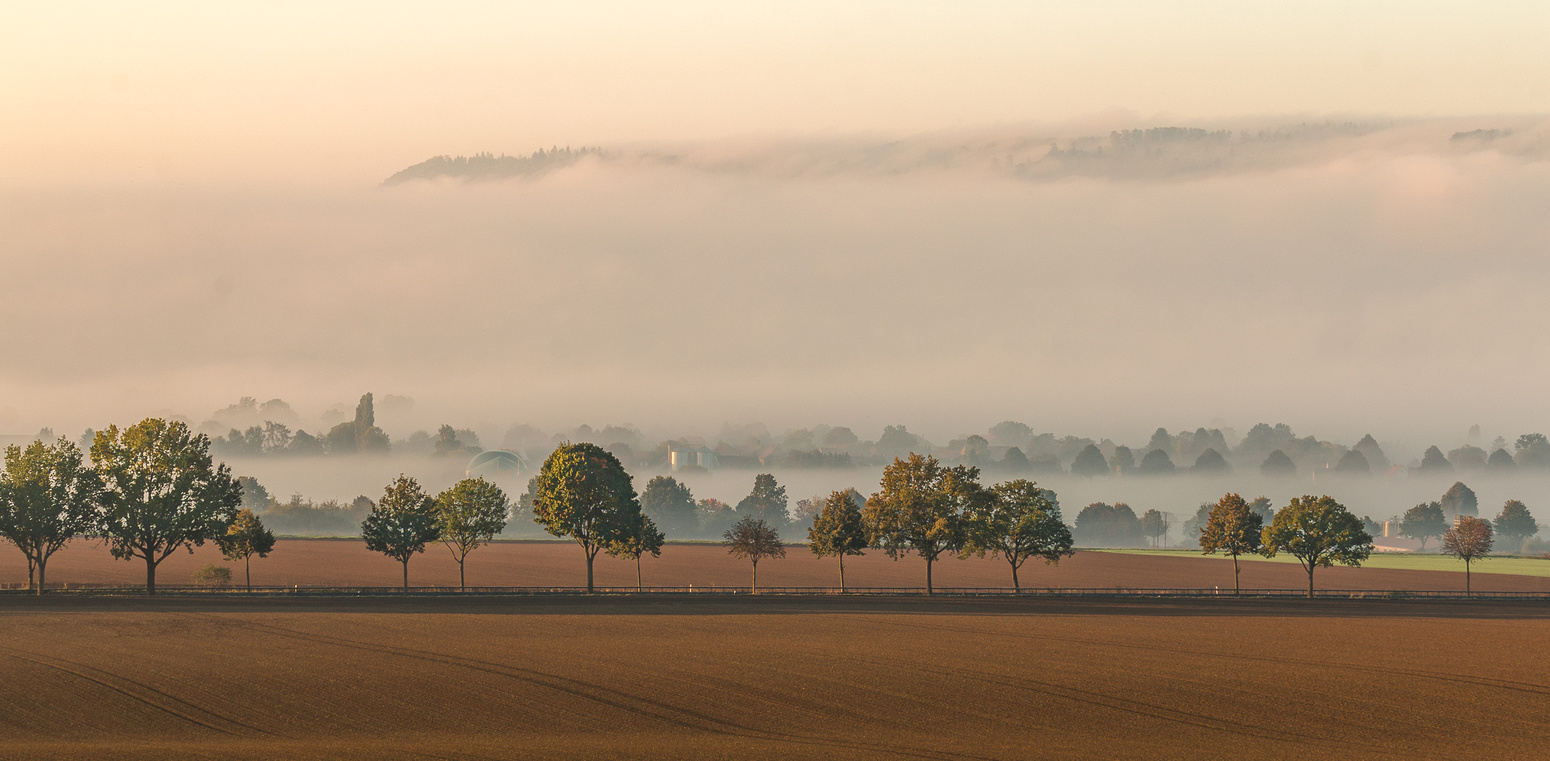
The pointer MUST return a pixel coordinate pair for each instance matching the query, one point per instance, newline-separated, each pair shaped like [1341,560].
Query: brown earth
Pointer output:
[346,562]
[652,677]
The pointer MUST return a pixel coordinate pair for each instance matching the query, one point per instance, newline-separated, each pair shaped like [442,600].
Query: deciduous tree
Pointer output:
[1459,500]
[838,530]
[1278,465]
[402,523]
[644,540]
[1515,522]
[1233,528]
[244,538]
[670,504]
[1423,522]
[1089,462]
[471,513]
[767,501]
[161,492]
[755,540]
[1318,531]
[583,492]
[921,507]
[48,496]
[1019,521]
[1468,540]
[1154,525]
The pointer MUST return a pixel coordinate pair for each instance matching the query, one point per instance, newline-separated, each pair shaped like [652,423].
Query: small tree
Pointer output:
[755,540]
[838,530]
[47,497]
[244,538]
[583,492]
[402,523]
[471,513]
[766,502]
[1154,525]
[1423,522]
[646,539]
[1318,531]
[1018,521]
[1468,540]
[161,492]
[1232,528]
[1515,522]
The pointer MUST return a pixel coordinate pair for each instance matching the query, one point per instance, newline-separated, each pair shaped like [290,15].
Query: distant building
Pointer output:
[692,452]
[496,463]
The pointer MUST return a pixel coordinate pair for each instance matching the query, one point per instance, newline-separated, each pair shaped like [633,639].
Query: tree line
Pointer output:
[153,489]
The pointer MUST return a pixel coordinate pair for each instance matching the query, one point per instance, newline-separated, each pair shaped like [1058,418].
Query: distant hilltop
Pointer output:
[488,166]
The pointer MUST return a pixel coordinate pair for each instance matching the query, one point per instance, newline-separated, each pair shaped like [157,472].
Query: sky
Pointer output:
[191,211]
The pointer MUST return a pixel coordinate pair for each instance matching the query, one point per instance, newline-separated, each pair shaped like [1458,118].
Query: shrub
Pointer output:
[213,575]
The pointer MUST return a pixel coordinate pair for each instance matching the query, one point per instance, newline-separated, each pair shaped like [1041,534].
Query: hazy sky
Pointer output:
[190,212]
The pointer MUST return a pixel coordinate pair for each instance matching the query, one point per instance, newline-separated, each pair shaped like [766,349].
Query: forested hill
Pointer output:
[488,166]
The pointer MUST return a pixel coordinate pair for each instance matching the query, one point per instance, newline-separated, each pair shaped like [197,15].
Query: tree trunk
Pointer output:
[462,580]
[406,575]
[1467,591]
[31,570]
[842,573]
[1310,581]
[639,585]
[150,576]
[1235,588]
[42,563]
[755,586]
[589,573]
[247,569]
[1016,587]
[929,591]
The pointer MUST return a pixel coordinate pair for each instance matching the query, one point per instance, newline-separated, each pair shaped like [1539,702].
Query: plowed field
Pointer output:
[346,562]
[771,678]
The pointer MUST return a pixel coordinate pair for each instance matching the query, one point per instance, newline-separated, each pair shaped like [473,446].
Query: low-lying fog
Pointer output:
[1346,278]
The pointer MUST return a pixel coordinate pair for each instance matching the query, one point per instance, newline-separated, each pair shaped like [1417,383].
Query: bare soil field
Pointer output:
[346,562]
[644,677]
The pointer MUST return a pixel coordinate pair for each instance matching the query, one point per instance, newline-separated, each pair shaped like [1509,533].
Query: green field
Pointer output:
[1512,565]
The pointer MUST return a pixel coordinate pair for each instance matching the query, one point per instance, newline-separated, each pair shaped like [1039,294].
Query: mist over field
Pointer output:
[1345,277]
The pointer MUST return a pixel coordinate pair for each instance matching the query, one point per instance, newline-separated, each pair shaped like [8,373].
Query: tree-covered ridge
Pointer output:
[488,166]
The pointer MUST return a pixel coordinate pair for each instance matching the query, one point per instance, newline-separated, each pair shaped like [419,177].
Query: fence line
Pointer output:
[88,590]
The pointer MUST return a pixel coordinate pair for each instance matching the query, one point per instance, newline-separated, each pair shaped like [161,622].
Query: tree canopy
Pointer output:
[1468,540]
[402,522]
[1423,522]
[583,492]
[1211,463]
[1353,463]
[1434,462]
[767,501]
[1154,526]
[1156,463]
[755,540]
[1018,522]
[838,530]
[1089,462]
[48,496]
[245,537]
[1103,525]
[1459,500]
[1515,523]
[1278,465]
[1232,529]
[161,492]
[645,539]
[921,507]
[470,514]
[670,504]
[1319,532]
